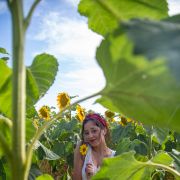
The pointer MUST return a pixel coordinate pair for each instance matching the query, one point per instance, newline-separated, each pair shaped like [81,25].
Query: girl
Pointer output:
[94,135]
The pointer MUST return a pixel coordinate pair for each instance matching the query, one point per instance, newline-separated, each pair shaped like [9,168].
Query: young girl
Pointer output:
[94,134]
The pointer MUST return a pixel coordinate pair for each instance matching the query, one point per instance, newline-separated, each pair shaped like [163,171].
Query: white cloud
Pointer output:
[86,81]
[73,3]
[68,37]
[174,7]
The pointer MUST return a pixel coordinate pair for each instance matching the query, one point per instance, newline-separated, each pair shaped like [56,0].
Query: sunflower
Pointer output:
[44,112]
[83,149]
[112,120]
[80,113]
[109,114]
[124,121]
[63,100]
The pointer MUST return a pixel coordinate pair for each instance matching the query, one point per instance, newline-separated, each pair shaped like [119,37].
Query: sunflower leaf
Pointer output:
[143,90]
[125,166]
[162,37]
[3,51]
[5,89]
[104,16]
[38,81]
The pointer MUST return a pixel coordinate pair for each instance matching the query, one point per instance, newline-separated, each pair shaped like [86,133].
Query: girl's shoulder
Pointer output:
[112,153]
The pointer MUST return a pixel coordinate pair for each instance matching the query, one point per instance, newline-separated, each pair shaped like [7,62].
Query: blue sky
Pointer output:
[58,29]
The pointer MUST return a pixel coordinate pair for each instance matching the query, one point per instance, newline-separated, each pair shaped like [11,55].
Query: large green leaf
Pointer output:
[143,90]
[176,156]
[160,134]
[5,131]
[5,89]
[105,15]
[50,155]
[30,129]
[44,177]
[40,76]
[125,166]
[123,146]
[157,39]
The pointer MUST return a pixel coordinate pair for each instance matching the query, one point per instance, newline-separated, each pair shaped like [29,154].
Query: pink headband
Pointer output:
[97,117]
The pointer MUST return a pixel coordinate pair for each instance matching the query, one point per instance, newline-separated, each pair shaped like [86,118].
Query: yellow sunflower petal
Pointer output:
[83,149]
[112,120]
[44,112]
[63,100]
[80,113]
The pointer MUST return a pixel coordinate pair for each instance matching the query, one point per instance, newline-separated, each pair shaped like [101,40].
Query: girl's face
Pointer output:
[93,134]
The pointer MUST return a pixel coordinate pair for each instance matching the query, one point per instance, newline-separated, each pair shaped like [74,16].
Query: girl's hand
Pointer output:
[89,170]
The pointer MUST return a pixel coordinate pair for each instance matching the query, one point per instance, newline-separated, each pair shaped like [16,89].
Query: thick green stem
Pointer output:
[19,94]
[167,168]
[19,25]
[150,143]
[28,18]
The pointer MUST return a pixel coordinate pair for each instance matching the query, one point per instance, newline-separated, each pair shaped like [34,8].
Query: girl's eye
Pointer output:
[86,133]
[94,131]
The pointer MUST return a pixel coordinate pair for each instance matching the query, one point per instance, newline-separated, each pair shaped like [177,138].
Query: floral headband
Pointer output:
[97,117]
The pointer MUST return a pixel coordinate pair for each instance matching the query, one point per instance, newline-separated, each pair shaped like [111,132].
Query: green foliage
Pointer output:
[30,130]
[150,87]
[57,146]
[160,134]
[5,89]
[162,38]
[104,16]
[44,177]
[140,61]
[176,156]
[125,166]
[38,81]
[34,172]
[2,171]
[3,51]
[48,153]
[143,90]
[6,131]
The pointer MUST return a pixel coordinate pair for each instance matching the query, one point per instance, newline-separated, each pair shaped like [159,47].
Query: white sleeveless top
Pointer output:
[88,159]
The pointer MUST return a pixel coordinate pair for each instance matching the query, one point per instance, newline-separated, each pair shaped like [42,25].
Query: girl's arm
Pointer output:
[78,164]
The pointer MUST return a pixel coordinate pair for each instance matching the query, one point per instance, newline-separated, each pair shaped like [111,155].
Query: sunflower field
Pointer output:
[139,56]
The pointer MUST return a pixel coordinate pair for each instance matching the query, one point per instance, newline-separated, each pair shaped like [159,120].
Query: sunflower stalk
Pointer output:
[150,142]
[28,18]
[19,27]
[19,74]
[167,168]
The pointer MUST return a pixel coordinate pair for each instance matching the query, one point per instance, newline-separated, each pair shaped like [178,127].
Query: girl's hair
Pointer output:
[99,121]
